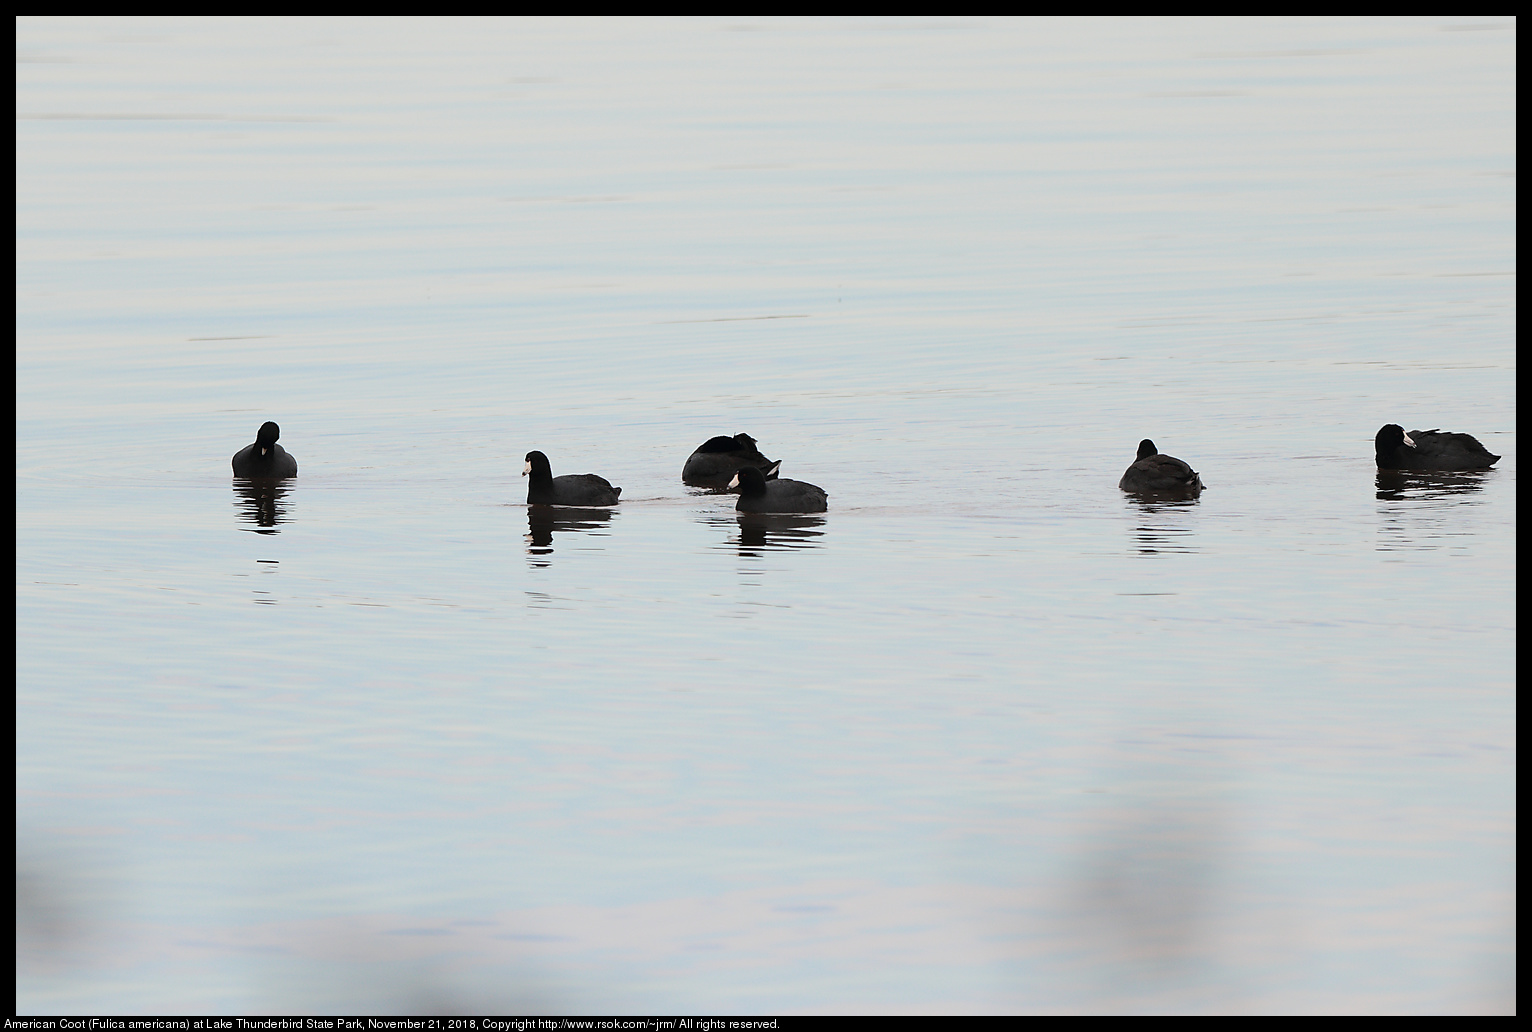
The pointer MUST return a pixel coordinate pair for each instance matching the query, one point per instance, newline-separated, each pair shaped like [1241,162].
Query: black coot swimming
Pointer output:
[543,488]
[715,461]
[1162,474]
[265,458]
[1430,449]
[757,494]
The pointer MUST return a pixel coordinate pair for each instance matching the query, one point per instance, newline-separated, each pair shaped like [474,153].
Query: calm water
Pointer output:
[987,736]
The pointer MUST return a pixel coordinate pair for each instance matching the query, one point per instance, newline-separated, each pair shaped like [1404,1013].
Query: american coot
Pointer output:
[573,489]
[757,494]
[1159,473]
[715,462]
[265,458]
[1430,449]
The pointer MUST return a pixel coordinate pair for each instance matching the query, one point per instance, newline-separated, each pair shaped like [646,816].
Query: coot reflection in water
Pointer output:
[260,502]
[1163,523]
[1426,511]
[1403,484]
[543,521]
[761,532]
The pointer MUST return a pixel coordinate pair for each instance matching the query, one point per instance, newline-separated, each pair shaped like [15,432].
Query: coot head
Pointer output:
[1391,437]
[537,466]
[750,481]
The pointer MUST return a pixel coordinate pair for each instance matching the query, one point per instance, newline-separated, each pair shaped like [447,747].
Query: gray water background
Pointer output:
[987,736]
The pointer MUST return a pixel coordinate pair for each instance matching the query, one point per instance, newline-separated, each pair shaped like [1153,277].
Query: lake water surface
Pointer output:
[989,735]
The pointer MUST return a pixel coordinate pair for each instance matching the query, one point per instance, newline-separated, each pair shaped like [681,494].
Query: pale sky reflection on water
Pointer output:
[988,736]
